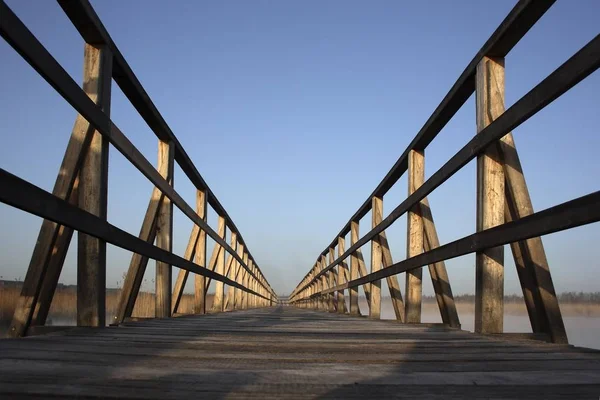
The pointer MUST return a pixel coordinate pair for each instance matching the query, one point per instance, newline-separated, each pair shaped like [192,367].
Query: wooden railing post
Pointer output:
[230,272]
[489,280]
[93,197]
[245,295]
[376,258]
[53,240]
[238,276]
[164,233]
[200,280]
[341,277]
[332,275]
[322,285]
[219,268]
[354,268]
[414,243]
[439,275]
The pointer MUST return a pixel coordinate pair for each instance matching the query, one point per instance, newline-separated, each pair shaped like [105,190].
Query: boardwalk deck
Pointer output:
[290,352]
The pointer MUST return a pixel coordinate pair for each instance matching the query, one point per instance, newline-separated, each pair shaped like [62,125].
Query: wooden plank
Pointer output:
[20,38]
[86,21]
[341,302]
[238,278]
[516,24]
[164,234]
[331,297]
[414,234]
[139,262]
[56,261]
[530,257]
[439,275]
[29,198]
[489,265]
[353,291]
[573,71]
[200,280]
[581,211]
[376,259]
[392,281]
[286,352]
[219,269]
[230,273]
[93,194]
[190,252]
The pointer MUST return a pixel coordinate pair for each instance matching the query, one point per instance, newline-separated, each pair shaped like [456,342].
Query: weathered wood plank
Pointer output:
[230,266]
[573,71]
[439,275]
[164,233]
[287,352]
[489,265]
[200,280]
[190,252]
[219,268]
[414,234]
[376,259]
[93,194]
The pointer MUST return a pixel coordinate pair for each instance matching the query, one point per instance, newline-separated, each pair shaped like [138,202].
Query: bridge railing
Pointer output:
[79,199]
[504,210]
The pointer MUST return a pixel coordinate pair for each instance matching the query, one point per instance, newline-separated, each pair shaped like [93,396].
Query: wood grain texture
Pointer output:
[93,194]
[238,277]
[230,273]
[219,268]
[516,24]
[287,352]
[376,259]
[164,233]
[489,264]
[341,277]
[414,234]
[200,280]
[439,275]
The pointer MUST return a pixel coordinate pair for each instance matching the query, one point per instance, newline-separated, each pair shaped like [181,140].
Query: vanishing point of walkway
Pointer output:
[294,353]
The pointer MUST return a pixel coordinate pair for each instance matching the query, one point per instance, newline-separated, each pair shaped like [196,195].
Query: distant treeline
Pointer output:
[564,298]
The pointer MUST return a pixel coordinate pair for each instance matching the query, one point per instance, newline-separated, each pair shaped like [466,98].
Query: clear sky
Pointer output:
[293,111]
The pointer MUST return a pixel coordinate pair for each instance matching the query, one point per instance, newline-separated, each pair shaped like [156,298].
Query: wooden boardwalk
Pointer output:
[286,352]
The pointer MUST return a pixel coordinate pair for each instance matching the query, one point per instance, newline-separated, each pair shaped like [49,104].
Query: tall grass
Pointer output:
[64,304]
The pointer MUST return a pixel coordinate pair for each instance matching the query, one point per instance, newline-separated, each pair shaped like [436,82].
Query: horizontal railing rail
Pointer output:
[504,211]
[242,272]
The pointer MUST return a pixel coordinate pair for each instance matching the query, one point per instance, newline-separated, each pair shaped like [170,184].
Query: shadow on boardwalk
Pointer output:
[286,352]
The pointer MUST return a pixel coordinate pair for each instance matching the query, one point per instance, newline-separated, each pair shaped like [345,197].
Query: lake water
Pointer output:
[581,330]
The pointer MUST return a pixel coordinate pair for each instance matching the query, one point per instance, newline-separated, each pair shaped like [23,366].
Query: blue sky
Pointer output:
[294,111]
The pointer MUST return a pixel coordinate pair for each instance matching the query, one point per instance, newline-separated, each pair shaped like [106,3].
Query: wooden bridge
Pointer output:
[315,343]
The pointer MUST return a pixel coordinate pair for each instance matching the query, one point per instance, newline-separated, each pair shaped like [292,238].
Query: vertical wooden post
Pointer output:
[190,252]
[354,309]
[164,233]
[219,268]
[414,244]
[325,283]
[252,297]
[376,258]
[93,196]
[200,280]
[341,306]
[245,298]
[230,272]
[318,285]
[332,275]
[238,277]
[489,280]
